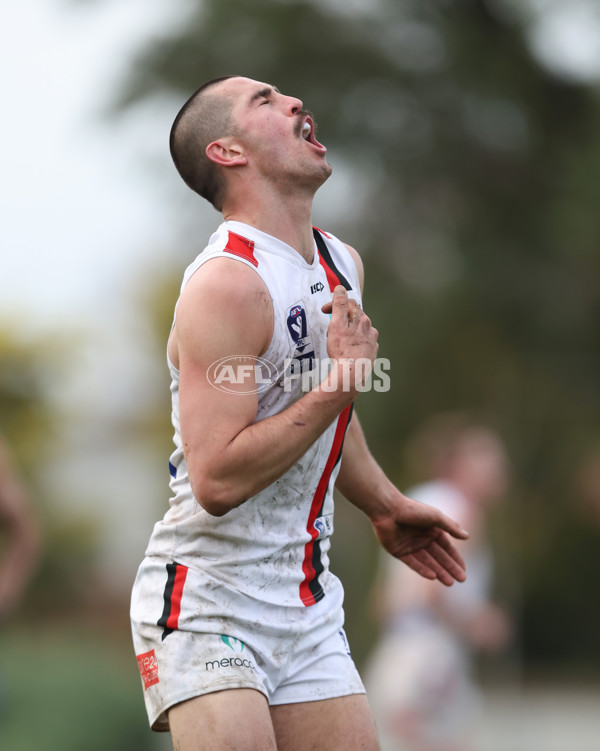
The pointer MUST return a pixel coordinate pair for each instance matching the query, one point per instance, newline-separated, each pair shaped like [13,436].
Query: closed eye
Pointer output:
[265,93]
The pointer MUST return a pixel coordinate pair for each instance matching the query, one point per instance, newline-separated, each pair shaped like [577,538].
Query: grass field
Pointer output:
[75,687]
[546,716]
[71,688]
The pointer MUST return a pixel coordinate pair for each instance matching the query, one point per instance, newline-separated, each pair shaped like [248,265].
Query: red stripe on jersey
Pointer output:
[180,577]
[316,506]
[323,233]
[332,279]
[242,247]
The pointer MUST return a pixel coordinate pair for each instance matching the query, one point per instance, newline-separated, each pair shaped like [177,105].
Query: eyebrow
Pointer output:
[264,93]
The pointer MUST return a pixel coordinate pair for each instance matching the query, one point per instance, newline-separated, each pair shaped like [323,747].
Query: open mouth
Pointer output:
[307,132]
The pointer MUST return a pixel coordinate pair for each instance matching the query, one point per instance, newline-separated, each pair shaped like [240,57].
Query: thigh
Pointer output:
[335,724]
[233,720]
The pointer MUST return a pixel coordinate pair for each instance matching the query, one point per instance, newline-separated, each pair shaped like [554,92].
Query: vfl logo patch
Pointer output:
[148,665]
[298,326]
[303,357]
[324,526]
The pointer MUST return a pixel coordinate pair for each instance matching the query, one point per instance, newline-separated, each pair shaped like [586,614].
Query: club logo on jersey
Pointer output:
[303,357]
[237,645]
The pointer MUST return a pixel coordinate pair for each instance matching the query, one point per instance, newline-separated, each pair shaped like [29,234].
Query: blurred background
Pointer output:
[465,141]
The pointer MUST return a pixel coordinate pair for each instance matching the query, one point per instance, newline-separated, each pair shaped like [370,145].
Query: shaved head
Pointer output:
[205,117]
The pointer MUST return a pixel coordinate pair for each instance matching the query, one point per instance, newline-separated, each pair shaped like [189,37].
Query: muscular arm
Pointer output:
[225,310]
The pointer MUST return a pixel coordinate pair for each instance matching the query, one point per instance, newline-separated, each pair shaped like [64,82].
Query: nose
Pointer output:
[293,105]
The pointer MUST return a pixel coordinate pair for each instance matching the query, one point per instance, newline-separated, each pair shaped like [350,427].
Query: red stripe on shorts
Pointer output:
[180,577]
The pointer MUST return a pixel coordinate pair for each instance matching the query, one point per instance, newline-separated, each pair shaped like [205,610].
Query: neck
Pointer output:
[288,218]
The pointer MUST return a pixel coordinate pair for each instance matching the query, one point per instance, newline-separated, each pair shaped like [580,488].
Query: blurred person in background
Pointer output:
[419,674]
[19,539]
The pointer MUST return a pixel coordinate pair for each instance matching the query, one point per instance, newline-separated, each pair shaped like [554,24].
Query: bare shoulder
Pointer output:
[224,281]
[360,269]
[224,304]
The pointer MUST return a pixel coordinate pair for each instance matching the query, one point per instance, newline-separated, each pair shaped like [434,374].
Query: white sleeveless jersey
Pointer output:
[273,547]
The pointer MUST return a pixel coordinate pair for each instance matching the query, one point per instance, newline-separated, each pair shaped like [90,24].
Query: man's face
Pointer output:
[277,134]
[482,460]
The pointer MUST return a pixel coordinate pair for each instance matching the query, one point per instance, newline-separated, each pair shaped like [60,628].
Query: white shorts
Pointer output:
[193,636]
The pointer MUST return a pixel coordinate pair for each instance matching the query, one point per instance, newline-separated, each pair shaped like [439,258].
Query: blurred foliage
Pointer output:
[83,692]
[64,582]
[32,426]
[25,414]
[473,203]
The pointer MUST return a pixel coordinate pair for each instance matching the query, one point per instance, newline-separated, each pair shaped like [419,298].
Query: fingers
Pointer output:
[421,568]
[452,527]
[340,297]
[339,302]
[450,554]
[426,565]
[350,335]
[439,560]
[448,558]
[344,307]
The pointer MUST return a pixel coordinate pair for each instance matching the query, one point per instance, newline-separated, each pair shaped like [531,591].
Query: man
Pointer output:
[18,533]
[419,677]
[237,620]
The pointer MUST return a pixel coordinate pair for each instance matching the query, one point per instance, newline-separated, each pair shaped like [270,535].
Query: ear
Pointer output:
[226,152]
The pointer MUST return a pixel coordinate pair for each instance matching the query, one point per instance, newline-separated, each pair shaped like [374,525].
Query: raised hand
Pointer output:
[350,336]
